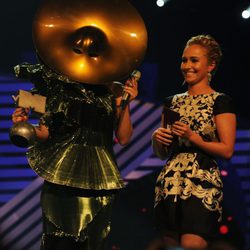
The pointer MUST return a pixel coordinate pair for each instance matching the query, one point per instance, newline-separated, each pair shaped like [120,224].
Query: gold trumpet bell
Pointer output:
[94,41]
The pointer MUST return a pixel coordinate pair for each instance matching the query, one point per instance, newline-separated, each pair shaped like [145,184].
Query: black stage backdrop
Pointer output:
[168,29]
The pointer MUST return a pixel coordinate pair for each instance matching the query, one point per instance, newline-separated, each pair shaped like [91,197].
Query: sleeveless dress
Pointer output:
[188,192]
[77,162]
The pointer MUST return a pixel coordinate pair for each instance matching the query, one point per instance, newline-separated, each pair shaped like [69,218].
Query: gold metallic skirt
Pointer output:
[75,218]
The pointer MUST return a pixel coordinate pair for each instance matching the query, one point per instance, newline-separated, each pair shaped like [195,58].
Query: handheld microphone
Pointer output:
[136,74]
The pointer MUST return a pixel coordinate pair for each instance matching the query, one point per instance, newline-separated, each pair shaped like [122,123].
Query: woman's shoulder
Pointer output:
[168,100]
[176,96]
[223,104]
[173,98]
[222,95]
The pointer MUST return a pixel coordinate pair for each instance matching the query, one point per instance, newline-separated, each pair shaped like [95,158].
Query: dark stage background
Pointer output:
[168,28]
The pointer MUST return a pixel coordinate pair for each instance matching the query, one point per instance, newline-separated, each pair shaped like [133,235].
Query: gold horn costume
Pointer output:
[83,46]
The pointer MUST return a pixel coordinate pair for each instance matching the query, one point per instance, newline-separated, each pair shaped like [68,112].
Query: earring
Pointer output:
[183,83]
[209,76]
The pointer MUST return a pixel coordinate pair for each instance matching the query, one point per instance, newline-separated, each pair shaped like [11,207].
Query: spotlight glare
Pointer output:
[160,3]
[245,14]
[224,173]
[224,229]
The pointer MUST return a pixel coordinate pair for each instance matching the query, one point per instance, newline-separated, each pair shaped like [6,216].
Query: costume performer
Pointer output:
[188,200]
[74,155]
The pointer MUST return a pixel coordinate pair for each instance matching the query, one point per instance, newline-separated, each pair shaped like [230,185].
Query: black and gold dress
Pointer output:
[77,162]
[188,192]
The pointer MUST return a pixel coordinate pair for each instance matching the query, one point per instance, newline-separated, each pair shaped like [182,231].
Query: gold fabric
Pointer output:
[77,161]
[81,119]
[67,213]
[77,165]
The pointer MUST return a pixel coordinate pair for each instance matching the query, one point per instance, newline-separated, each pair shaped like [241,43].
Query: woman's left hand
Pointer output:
[131,87]
[182,130]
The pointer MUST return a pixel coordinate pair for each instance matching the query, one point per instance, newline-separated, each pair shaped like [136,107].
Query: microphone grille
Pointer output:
[136,74]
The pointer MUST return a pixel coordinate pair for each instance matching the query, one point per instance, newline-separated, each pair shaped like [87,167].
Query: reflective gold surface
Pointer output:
[73,213]
[79,152]
[93,42]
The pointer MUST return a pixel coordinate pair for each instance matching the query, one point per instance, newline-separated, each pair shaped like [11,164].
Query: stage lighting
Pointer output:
[224,173]
[161,3]
[246,13]
[224,229]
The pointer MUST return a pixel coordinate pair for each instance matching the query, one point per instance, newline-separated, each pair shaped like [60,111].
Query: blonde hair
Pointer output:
[214,52]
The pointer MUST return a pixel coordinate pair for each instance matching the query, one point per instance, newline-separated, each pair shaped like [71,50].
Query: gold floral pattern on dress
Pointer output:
[190,173]
[197,111]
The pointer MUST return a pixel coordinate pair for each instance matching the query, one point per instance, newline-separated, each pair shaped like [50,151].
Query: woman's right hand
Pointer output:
[163,136]
[20,115]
